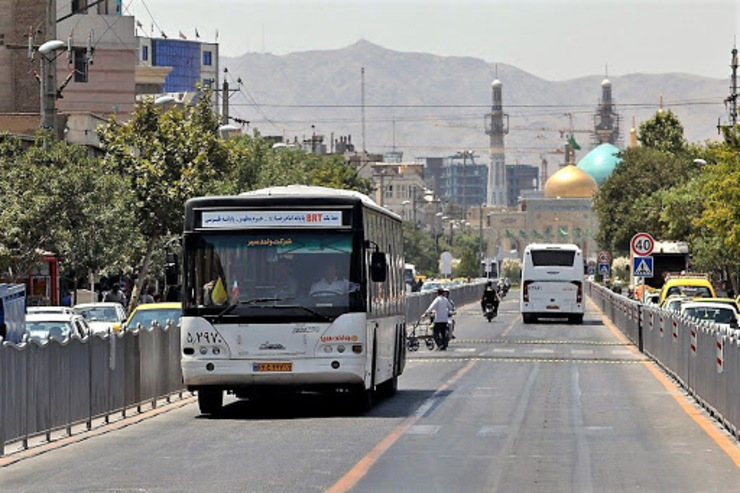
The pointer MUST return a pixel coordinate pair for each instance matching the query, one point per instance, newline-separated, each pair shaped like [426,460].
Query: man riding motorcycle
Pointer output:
[490,297]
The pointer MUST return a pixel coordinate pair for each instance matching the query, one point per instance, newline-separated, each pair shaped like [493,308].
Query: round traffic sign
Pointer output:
[604,257]
[642,244]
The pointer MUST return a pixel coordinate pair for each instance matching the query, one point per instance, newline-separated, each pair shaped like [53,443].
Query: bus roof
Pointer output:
[309,191]
[552,246]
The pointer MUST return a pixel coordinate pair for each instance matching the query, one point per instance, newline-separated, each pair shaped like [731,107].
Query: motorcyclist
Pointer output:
[490,297]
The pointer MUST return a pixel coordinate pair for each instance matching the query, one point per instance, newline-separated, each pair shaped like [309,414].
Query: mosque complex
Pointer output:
[562,211]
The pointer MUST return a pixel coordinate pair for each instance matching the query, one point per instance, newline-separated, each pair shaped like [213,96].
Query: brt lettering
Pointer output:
[313,218]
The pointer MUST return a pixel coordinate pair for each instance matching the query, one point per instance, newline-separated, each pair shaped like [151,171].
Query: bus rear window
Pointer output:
[553,258]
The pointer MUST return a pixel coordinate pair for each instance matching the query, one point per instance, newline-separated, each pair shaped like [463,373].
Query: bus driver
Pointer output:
[331,284]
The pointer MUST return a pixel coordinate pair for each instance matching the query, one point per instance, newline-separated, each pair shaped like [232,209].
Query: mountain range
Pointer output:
[430,105]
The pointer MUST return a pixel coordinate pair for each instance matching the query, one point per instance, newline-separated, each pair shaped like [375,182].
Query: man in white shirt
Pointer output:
[441,308]
[331,284]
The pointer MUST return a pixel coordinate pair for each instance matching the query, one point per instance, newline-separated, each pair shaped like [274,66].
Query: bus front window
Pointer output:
[262,272]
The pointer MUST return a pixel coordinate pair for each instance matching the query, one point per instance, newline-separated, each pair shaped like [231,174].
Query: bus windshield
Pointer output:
[272,275]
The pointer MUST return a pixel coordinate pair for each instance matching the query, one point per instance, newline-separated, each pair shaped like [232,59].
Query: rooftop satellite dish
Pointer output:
[50,46]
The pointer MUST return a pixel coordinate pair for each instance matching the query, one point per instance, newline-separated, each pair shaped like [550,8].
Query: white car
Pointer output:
[723,315]
[101,317]
[59,326]
[49,309]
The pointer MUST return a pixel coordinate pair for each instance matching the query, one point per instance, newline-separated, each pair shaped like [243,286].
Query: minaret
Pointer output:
[606,120]
[496,128]
[633,134]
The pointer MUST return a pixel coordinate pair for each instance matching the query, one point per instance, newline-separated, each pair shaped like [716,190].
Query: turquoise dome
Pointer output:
[600,162]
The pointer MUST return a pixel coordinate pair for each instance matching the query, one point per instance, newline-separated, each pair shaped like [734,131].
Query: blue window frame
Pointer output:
[207,58]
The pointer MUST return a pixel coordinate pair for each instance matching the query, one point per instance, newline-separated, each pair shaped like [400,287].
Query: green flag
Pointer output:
[509,234]
[537,234]
[573,143]
[522,233]
[563,231]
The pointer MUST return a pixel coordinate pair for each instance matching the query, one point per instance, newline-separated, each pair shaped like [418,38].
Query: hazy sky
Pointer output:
[553,39]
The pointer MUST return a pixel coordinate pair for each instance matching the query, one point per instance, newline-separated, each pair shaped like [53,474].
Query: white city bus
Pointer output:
[253,322]
[552,282]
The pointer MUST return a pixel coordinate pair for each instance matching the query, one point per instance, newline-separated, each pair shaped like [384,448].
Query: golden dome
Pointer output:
[570,182]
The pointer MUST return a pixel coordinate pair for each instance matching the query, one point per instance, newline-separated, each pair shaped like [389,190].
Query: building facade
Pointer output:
[187,63]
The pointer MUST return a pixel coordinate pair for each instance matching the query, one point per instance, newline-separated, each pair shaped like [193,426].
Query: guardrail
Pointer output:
[53,386]
[704,359]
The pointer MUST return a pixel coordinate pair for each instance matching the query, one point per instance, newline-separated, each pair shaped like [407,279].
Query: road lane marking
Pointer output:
[543,351]
[689,407]
[423,430]
[359,470]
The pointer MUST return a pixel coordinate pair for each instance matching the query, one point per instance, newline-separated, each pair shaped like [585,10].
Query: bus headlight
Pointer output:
[341,348]
[328,349]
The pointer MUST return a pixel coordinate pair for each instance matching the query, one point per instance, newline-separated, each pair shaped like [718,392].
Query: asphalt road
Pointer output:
[509,407]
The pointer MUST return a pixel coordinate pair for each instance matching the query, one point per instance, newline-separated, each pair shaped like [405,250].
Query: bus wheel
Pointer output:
[210,400]
[389,387]
[528,319]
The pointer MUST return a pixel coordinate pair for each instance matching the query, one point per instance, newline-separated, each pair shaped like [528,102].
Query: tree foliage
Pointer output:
[54,197]
[632,198]
[663,132]
[166,158]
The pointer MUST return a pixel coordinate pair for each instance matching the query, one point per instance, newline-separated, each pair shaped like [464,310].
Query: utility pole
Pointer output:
[732,98]
[225,102]
[49,72]
[362,105]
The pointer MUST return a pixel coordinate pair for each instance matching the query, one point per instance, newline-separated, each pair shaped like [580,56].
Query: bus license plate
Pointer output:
[267,367]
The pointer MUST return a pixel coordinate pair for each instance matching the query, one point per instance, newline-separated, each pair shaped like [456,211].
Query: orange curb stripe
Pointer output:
[709,427]
[359,470]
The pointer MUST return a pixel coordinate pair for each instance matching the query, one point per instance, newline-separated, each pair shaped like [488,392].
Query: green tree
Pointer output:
[167,158]
[662,132]
[264,166]
[419,249]
[55,197]
[630,200]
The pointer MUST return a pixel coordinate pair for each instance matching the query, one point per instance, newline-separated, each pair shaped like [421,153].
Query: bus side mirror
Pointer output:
[378,267]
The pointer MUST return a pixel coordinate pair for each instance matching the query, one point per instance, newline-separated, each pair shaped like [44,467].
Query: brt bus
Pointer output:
[552,282]
[251,323]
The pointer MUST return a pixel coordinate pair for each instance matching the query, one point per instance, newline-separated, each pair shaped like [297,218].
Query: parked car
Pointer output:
[147,314]
[693,286]
[718,313]
[49,309]
[727,301]
[101,317]
[59,326]
[673,303]
[431,286]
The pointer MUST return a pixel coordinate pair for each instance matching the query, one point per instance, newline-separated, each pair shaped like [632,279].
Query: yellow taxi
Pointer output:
[147,314]
[688,285]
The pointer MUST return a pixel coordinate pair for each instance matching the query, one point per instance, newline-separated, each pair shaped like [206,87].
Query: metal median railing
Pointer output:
[52,386]
[702,357]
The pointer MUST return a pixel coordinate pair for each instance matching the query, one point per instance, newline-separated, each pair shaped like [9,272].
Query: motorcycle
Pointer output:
[490,312]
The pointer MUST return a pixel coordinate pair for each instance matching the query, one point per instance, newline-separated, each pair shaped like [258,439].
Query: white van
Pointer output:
[552,282]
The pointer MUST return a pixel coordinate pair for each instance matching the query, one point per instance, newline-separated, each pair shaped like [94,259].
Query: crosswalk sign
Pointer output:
[604,269]
[642,267]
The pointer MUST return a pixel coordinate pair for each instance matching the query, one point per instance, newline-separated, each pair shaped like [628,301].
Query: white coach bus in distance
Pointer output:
[552,282]
[291,289]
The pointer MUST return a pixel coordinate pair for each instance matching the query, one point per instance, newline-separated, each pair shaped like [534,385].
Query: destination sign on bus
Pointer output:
[259,219]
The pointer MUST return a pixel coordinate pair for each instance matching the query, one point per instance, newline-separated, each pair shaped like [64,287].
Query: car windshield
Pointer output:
[58,330]
[160,316]
[718,315]
[257,272]
[98,314]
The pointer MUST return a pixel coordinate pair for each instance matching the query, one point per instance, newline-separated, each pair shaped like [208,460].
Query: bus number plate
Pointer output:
[270,367]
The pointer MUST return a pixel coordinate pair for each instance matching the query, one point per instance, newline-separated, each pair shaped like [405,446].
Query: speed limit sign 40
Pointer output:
[642,244]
